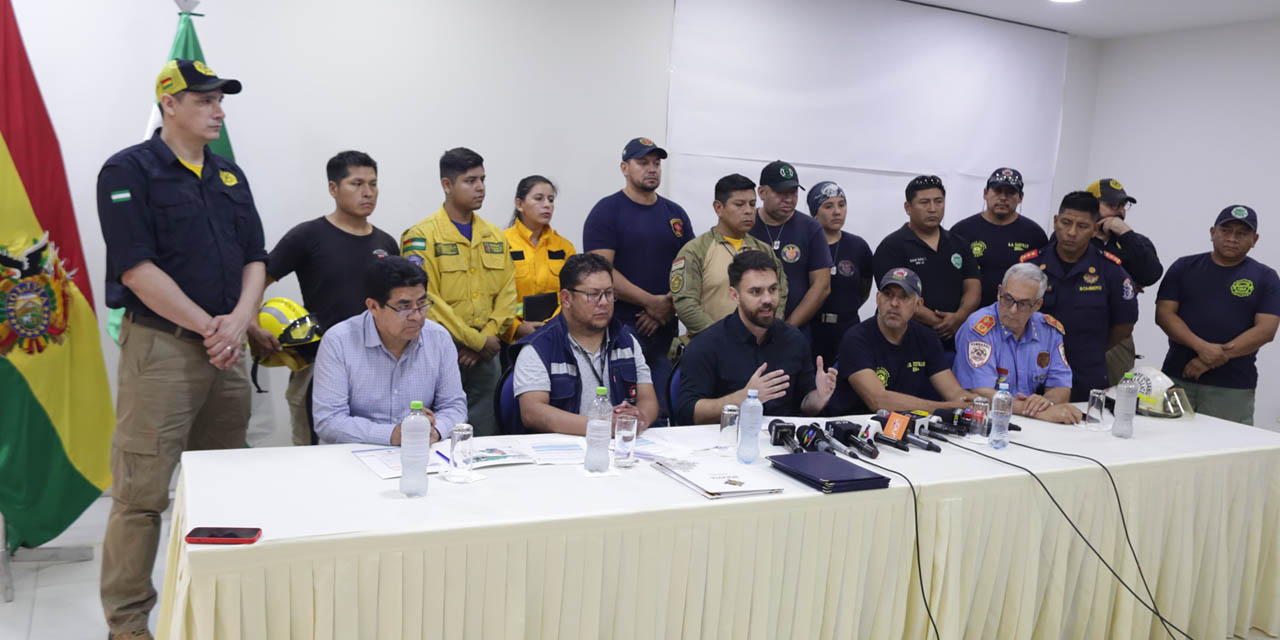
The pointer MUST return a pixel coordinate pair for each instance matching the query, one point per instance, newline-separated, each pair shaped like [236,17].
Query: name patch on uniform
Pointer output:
[517,255]
[552,255]
[979,353]
[915,365]
[122,195]
[1091,287]
[1042,359]
[415,244]
[446,249]
[492,247]
[985,325]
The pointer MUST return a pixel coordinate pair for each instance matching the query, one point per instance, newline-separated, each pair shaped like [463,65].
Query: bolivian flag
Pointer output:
[56,416]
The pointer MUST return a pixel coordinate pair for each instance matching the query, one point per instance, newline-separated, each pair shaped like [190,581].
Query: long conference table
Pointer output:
[546,552]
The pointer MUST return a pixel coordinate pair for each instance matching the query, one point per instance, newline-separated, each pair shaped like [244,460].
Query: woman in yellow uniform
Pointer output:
[538,253]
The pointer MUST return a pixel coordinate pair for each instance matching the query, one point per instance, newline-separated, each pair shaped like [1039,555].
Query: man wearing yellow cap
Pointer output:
[185,259]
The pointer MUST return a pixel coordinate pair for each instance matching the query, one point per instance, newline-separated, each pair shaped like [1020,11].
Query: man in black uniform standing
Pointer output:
[185,253]
[1089,293]
[999,235]
[1136,253]
[950,288]
[330,254]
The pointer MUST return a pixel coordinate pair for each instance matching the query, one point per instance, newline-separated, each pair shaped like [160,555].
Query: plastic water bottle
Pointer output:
[415,449]
[750,417]
[599,431]
[1001,413]
[1126,405]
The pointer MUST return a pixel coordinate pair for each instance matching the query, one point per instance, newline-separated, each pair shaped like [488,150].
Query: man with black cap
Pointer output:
[1136,253]
[798,241]
[641,233]
[892,361]
[950,288]
[185,259]
[1219,308]
[999,235]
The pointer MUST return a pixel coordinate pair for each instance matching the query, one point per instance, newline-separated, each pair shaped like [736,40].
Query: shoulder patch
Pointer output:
[985,325]
[1053,322]
[1030,255]
[677,264]
[228,178]
[979,353]
[1112,257]
[414,244]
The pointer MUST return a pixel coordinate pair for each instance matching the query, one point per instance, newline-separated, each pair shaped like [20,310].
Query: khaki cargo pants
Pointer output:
[169,399]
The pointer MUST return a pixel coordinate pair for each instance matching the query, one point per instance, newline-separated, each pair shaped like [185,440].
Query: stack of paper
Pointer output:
[716,477]
[490,452]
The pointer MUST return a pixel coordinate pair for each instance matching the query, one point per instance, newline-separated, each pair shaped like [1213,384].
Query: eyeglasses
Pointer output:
[408,311]
[1007,300]
[1120,206]
[596,296]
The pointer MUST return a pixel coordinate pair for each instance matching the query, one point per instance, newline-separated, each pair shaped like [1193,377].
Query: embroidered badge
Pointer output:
[956,260]
[979,353]
[978,248]
[790,253]
[677,227]
[846,268]
[985,325]
[228,178]
[1030,255]
[883,374]
[446,249]
[1242,288]
[493,247]
[1128,290]
[1042,359]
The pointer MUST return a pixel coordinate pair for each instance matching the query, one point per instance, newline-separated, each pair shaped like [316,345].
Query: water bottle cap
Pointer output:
[416,405]
[1004,386]
[1128,376]
[752,393]
[601,391]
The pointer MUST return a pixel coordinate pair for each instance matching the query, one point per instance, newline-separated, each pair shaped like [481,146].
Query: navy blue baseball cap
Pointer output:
[641,147]
[902,277]
[822,192]
[1005,177]
[1238,213]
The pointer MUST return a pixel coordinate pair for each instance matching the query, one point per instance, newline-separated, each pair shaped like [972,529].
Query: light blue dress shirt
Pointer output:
[987,352]
[361,392]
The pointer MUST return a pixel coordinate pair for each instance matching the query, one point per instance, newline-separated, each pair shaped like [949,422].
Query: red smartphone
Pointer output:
[223,535]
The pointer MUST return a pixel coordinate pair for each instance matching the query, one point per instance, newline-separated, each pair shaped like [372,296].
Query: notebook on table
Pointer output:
[828,473]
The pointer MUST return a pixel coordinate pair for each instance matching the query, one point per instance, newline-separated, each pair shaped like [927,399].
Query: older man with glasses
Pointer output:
[371,366]
[1011,341]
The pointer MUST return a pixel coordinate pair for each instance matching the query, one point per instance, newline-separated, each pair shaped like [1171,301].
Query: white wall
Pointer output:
[553,87]
[1187,121]
[1076,136]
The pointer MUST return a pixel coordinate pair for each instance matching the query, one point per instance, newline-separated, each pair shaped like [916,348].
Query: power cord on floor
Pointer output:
[1080,533]
[1123,524]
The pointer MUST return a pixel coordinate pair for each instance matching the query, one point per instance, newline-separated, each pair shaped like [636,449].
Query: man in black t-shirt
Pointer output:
[998,235]
[1220,308]
[798,241]
[894,362]
[329,254]
[950,289]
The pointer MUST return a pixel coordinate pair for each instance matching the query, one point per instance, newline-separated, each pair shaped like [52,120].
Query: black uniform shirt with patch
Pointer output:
[942,272]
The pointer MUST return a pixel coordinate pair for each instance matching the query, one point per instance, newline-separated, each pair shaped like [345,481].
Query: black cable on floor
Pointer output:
[1081,534]
[915,510]
[1124,525]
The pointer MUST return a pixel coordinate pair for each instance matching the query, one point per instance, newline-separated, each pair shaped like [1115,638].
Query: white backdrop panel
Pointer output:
[866,92]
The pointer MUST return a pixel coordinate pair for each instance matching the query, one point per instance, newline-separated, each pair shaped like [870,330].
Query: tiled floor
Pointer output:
[60,601]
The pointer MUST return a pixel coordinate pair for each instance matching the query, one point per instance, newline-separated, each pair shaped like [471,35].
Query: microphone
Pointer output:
[892,427]
[783,434]
[921,442]
[813,438]
[848,433]
[927,427]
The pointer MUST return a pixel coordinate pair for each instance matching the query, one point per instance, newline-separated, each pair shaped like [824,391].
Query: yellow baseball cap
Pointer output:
[191,75]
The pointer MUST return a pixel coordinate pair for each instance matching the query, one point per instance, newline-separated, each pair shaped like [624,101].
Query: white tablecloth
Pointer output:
[545,552]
